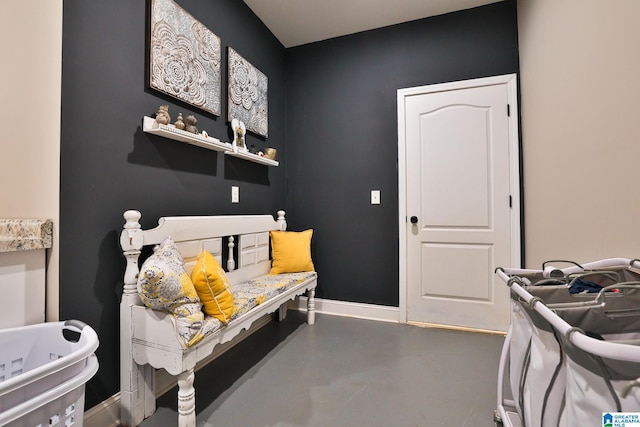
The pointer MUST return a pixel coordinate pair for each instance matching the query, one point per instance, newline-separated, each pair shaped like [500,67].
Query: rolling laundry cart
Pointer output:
[572,351]
[43,371]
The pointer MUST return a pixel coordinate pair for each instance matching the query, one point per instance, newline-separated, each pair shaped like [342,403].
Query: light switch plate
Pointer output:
[235,194]
[375,197]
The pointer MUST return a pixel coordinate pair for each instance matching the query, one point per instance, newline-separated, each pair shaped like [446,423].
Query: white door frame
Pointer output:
[514,174]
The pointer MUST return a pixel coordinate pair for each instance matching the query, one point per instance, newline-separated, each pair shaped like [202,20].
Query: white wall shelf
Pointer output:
[149,125]
[252,158]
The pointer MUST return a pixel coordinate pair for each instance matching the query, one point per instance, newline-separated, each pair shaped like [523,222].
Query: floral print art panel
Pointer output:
[184,57]
[247,95]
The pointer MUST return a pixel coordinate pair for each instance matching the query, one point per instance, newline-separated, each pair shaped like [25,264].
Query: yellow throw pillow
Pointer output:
[291,251]
[213,288]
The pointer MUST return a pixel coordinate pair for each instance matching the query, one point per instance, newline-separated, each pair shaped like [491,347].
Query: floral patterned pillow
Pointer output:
[163,284]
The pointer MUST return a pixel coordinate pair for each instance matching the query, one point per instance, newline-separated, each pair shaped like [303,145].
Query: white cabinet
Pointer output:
[23,245]
[22,282]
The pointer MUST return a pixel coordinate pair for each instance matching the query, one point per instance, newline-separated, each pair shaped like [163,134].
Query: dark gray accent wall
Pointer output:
[332,117]
[109,165]
[342,134]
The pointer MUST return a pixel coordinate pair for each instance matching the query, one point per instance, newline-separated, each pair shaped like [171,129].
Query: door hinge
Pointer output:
[508,110]
[510,201]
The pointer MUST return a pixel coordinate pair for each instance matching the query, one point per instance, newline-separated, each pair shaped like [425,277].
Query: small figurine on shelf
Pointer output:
[179,124]
[270,153]
[162,115]
[239,132]
[190,124]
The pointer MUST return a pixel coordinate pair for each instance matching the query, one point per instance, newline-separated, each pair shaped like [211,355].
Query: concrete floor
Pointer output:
[346,372]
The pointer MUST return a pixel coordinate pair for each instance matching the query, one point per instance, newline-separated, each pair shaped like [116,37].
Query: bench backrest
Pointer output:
[193,234]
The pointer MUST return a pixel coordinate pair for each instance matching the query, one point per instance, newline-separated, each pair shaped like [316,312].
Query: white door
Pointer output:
[459,184]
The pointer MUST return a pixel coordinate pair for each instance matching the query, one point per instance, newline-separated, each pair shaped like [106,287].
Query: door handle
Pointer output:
[414,219]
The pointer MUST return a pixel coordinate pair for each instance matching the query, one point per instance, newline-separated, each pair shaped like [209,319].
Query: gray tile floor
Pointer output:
[346,372]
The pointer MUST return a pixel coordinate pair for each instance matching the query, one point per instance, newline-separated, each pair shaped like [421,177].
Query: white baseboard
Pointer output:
[107,413]
[358,310]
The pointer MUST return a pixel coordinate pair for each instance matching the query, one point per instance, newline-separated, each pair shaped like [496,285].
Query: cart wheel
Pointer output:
[497,421]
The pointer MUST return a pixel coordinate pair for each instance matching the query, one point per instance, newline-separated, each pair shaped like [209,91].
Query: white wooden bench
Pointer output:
[147,337]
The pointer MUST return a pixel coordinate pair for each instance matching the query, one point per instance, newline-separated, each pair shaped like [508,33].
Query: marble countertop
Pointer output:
[25,234]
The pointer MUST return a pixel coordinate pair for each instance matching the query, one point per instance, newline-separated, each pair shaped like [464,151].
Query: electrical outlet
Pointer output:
[235,194]
[375,197]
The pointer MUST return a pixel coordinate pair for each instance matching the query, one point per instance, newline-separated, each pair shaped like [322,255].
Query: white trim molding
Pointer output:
[357,310]
[104,414]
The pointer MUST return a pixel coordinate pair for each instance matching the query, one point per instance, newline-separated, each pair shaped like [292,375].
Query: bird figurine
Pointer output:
[190,124]
[162,115]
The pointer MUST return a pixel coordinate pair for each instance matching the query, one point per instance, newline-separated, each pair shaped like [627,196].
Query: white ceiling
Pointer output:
[297,22]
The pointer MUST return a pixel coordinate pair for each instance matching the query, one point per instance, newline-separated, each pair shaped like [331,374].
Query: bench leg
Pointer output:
[137,382]
[311,306]
[137,397]
[282,312]
[186,399]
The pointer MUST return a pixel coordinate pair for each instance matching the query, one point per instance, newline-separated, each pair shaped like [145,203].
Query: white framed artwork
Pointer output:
[184,57]
[247,95]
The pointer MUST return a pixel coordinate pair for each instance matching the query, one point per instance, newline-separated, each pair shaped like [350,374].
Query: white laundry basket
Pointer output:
[43,371]
[579,355]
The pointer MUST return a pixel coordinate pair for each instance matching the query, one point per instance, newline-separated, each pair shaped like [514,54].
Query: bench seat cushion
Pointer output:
[248,295]
[253,292]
